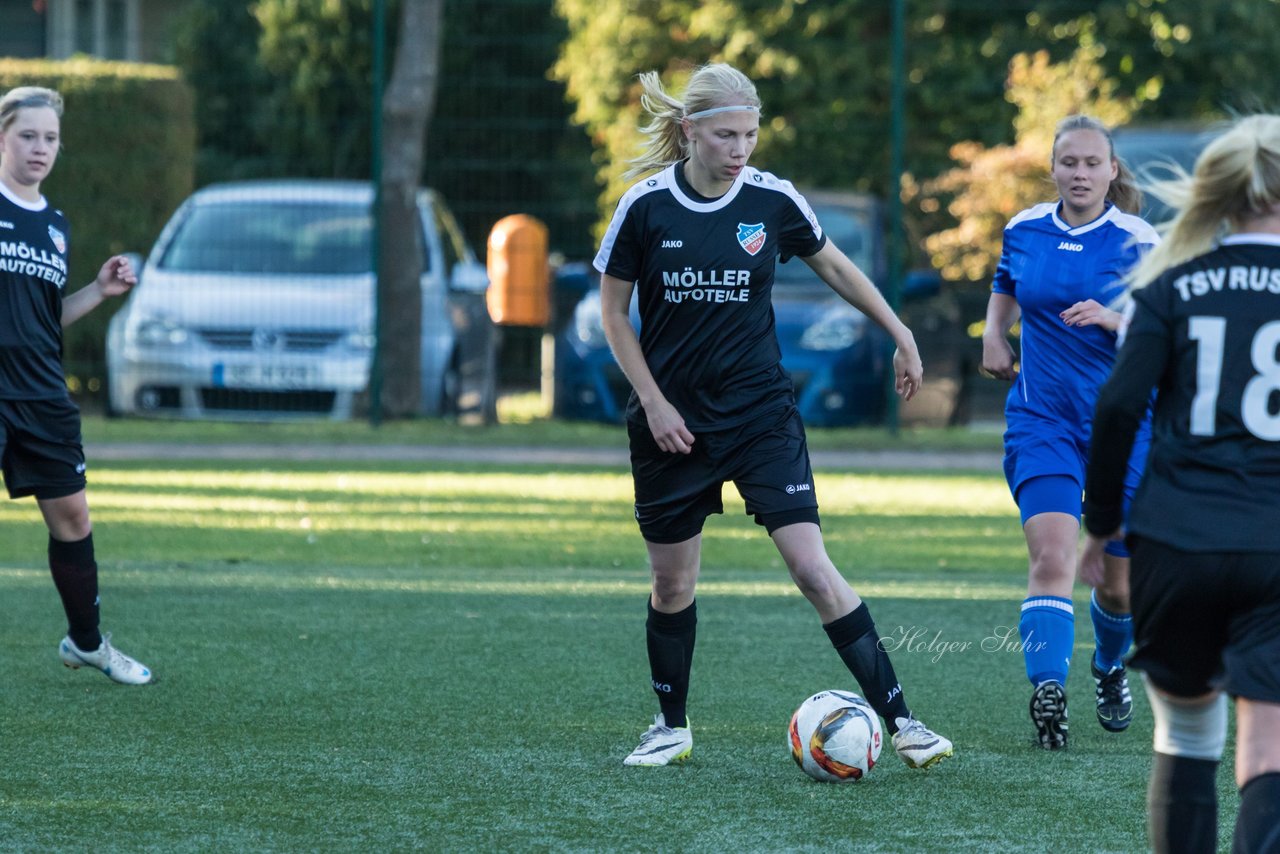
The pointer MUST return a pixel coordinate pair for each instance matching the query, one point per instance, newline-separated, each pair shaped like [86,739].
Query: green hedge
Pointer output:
[127,161]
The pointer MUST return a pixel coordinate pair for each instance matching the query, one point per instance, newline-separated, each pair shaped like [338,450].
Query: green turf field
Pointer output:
[365,657]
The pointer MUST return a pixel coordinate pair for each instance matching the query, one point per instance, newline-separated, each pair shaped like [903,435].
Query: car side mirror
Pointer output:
[136,260]
[469,276]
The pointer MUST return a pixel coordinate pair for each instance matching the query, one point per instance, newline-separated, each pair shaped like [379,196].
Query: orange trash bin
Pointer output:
[519,275]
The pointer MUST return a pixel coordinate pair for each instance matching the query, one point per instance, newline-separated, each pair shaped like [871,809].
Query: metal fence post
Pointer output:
[375,177]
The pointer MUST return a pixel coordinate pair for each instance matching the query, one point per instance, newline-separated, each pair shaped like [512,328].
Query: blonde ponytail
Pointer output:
[710,86]
[1236,177]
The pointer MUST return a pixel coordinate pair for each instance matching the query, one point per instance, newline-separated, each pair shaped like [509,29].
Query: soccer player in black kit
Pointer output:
[40,444]
[1204,528]
[711,402]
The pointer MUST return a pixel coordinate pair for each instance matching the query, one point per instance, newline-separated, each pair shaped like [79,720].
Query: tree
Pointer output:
[407,107]
[990,185]
[320,55]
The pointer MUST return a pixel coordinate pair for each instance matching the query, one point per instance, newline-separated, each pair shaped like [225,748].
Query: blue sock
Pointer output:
[1112,635]
[1048,630]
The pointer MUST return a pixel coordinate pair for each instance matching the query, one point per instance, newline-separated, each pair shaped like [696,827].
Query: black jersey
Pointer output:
[1207,334]
[33,272]
[704,274]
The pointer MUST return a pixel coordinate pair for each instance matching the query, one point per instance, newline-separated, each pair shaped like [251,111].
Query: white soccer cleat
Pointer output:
[662,745]
[919,746]
[111,661]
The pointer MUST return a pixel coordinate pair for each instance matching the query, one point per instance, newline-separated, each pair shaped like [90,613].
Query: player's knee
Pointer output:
[673,588]
[1051,571]
[816,578]
[1196,731]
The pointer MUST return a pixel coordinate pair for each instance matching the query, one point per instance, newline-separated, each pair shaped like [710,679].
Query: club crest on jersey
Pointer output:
[60,240]
[751,237]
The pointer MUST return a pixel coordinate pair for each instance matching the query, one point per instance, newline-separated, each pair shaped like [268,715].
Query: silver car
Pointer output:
[257,302]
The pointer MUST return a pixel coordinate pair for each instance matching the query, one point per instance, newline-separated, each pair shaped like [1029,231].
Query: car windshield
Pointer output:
[1150,156]
[306,238]
[849,229]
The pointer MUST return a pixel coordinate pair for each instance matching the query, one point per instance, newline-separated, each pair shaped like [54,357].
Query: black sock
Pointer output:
[670,639]
[854,637]
[1258,824]
[75,574]
[1182,805]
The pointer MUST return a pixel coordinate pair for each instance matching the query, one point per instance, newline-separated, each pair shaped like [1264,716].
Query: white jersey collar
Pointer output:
[1252,237]
[1108,213]
[703,207]
[37,205]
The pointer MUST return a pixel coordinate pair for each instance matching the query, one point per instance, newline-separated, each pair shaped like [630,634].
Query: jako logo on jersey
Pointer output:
[793,488]
[751,237]
[5,224]
[1071,247]
[59,239]
[672,244]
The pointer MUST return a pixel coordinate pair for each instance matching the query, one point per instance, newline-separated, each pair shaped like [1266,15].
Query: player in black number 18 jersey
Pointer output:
[40,446]
[1204,527]
[711,402]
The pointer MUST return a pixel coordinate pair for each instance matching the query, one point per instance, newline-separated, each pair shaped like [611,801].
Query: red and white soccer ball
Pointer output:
[835,737]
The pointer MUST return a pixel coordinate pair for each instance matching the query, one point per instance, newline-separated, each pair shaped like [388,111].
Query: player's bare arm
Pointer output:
[114,279]
[1092,313]
[666,424]
[997,353]
[843,276]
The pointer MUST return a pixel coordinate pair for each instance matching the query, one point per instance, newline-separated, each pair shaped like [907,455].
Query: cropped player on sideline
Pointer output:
[40,445]
[1204,528]
[711,402]
[1060,270]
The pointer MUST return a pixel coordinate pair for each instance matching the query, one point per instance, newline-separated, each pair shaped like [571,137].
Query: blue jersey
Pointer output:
[1048,266]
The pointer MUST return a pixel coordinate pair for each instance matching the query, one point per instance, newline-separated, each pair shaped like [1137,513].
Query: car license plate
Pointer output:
[264,376]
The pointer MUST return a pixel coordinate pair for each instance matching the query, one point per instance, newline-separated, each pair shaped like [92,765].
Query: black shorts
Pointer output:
[767,459]
[40,448]
[1206,621]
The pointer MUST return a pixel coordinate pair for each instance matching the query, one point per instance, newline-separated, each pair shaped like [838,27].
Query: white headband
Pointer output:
[702,114]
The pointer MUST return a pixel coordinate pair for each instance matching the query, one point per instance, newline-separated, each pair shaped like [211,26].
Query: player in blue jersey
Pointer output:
[1204,527]
[40,445]
[711,403]
[1061,272]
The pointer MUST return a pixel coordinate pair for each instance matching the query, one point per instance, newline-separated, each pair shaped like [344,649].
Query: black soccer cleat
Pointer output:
[1049,714]
[1115,703]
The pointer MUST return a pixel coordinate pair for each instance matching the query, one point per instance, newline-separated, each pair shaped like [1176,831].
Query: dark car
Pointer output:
[838,359]
[1150,151]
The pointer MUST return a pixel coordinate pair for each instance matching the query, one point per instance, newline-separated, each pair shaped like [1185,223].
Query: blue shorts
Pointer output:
[1044,465]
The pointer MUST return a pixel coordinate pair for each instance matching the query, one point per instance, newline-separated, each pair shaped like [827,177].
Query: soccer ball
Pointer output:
[835,737]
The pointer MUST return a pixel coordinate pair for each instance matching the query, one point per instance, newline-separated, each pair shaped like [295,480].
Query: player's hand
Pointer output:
[908,371]
[1091,313]
[116,277]
[1090,569]
[667,427]
[997,359]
